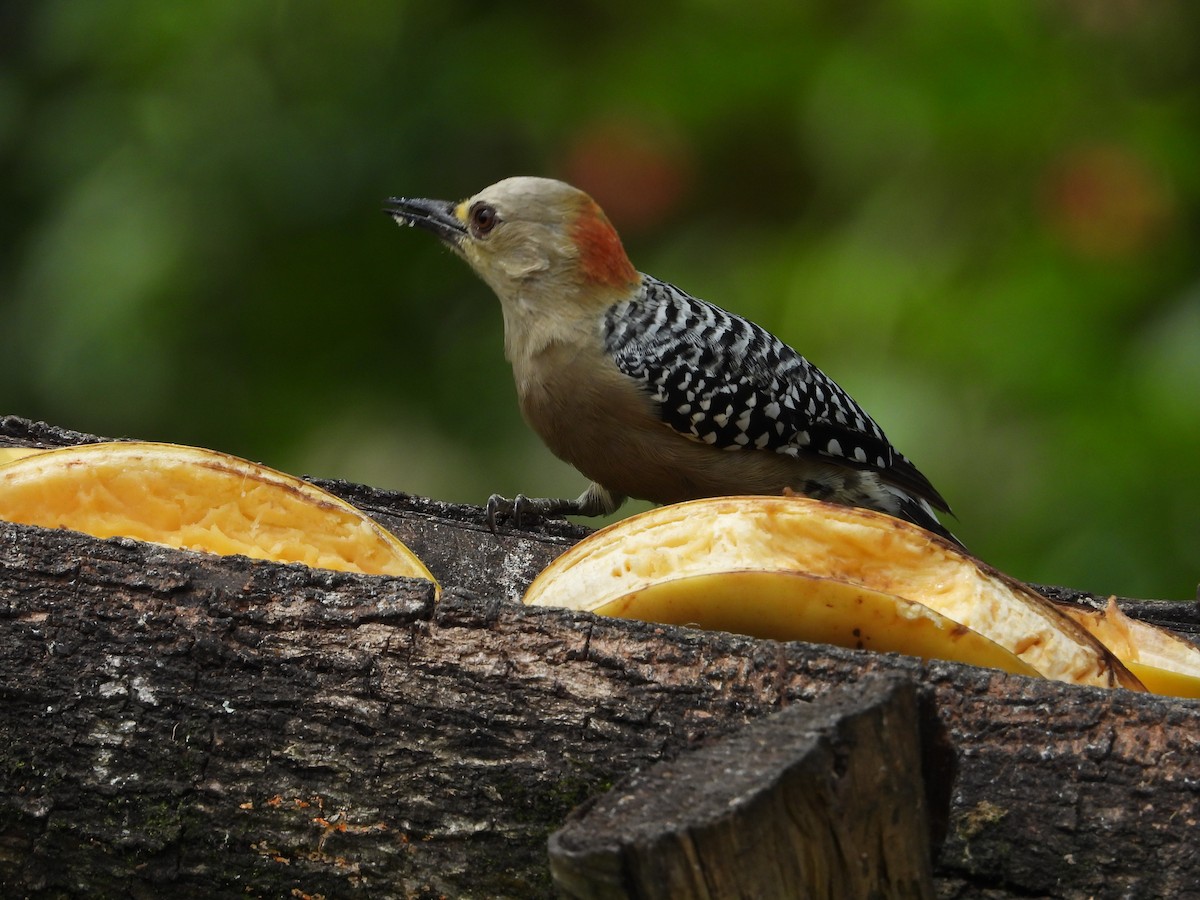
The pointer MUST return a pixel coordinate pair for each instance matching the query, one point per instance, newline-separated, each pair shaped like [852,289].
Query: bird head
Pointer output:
[529,239]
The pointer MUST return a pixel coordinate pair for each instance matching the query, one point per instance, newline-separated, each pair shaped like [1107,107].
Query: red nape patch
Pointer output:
[601,256]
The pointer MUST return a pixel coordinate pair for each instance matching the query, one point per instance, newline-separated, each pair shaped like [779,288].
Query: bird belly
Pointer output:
[601,422]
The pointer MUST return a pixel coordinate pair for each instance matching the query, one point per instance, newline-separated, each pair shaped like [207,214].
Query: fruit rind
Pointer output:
[855,546]
[198,499]
[787,606]
[1164,662]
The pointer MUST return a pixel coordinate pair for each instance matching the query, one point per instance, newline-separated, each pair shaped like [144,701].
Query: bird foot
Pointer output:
[521,511]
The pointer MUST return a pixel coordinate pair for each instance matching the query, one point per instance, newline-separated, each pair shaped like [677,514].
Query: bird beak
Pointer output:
[432,215]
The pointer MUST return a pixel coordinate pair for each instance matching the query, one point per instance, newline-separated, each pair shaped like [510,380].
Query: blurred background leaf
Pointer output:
[982,219]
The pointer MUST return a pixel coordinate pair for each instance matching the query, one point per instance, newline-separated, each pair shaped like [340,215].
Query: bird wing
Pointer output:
[722,380]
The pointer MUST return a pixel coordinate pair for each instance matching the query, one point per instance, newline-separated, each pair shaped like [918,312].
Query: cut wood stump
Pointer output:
[822,799]
[180,724]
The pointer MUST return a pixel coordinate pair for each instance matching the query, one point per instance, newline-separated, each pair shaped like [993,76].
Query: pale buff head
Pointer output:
[533,240]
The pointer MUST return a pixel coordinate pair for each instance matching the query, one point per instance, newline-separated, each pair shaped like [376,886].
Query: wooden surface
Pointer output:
[201,726]
[821,799]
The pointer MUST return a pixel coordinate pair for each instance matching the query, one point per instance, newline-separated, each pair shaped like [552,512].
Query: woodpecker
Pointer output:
[646,390]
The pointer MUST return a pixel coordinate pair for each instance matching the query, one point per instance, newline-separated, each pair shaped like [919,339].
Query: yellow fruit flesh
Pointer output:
[198,500]
[12,454]
[1163,681]
[789,606]
[794,534]
[1164,663]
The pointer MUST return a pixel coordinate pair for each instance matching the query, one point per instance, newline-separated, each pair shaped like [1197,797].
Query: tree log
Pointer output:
[822,799]
[214,726]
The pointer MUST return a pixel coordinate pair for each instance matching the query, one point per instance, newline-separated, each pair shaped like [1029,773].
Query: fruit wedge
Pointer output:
[12,454]
[198,500]
[1162,661]
[793,606]
[857,547]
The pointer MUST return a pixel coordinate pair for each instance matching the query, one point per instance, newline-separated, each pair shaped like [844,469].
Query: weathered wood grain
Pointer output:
[821,799]
[173,722]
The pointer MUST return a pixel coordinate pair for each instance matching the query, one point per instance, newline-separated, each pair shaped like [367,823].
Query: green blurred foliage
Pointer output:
[981,218]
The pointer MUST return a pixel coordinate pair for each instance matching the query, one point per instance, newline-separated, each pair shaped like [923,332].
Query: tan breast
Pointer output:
[596,418]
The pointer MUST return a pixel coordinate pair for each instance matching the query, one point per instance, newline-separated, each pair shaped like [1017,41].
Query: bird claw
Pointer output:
[524,512]
[520,511]
[496,506]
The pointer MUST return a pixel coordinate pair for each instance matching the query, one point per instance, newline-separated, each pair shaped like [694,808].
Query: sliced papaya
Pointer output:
[820,540]
[198,499]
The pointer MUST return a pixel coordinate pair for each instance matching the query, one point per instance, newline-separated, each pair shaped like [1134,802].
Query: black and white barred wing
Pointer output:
[725,381]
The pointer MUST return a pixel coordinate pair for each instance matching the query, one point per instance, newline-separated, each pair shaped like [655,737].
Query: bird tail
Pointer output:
[919,512]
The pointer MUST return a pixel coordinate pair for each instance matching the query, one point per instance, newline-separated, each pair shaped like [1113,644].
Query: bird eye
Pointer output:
[483,218]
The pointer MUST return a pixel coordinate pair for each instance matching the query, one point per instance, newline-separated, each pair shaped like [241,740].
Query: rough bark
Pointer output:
[177,722]
[822,799]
